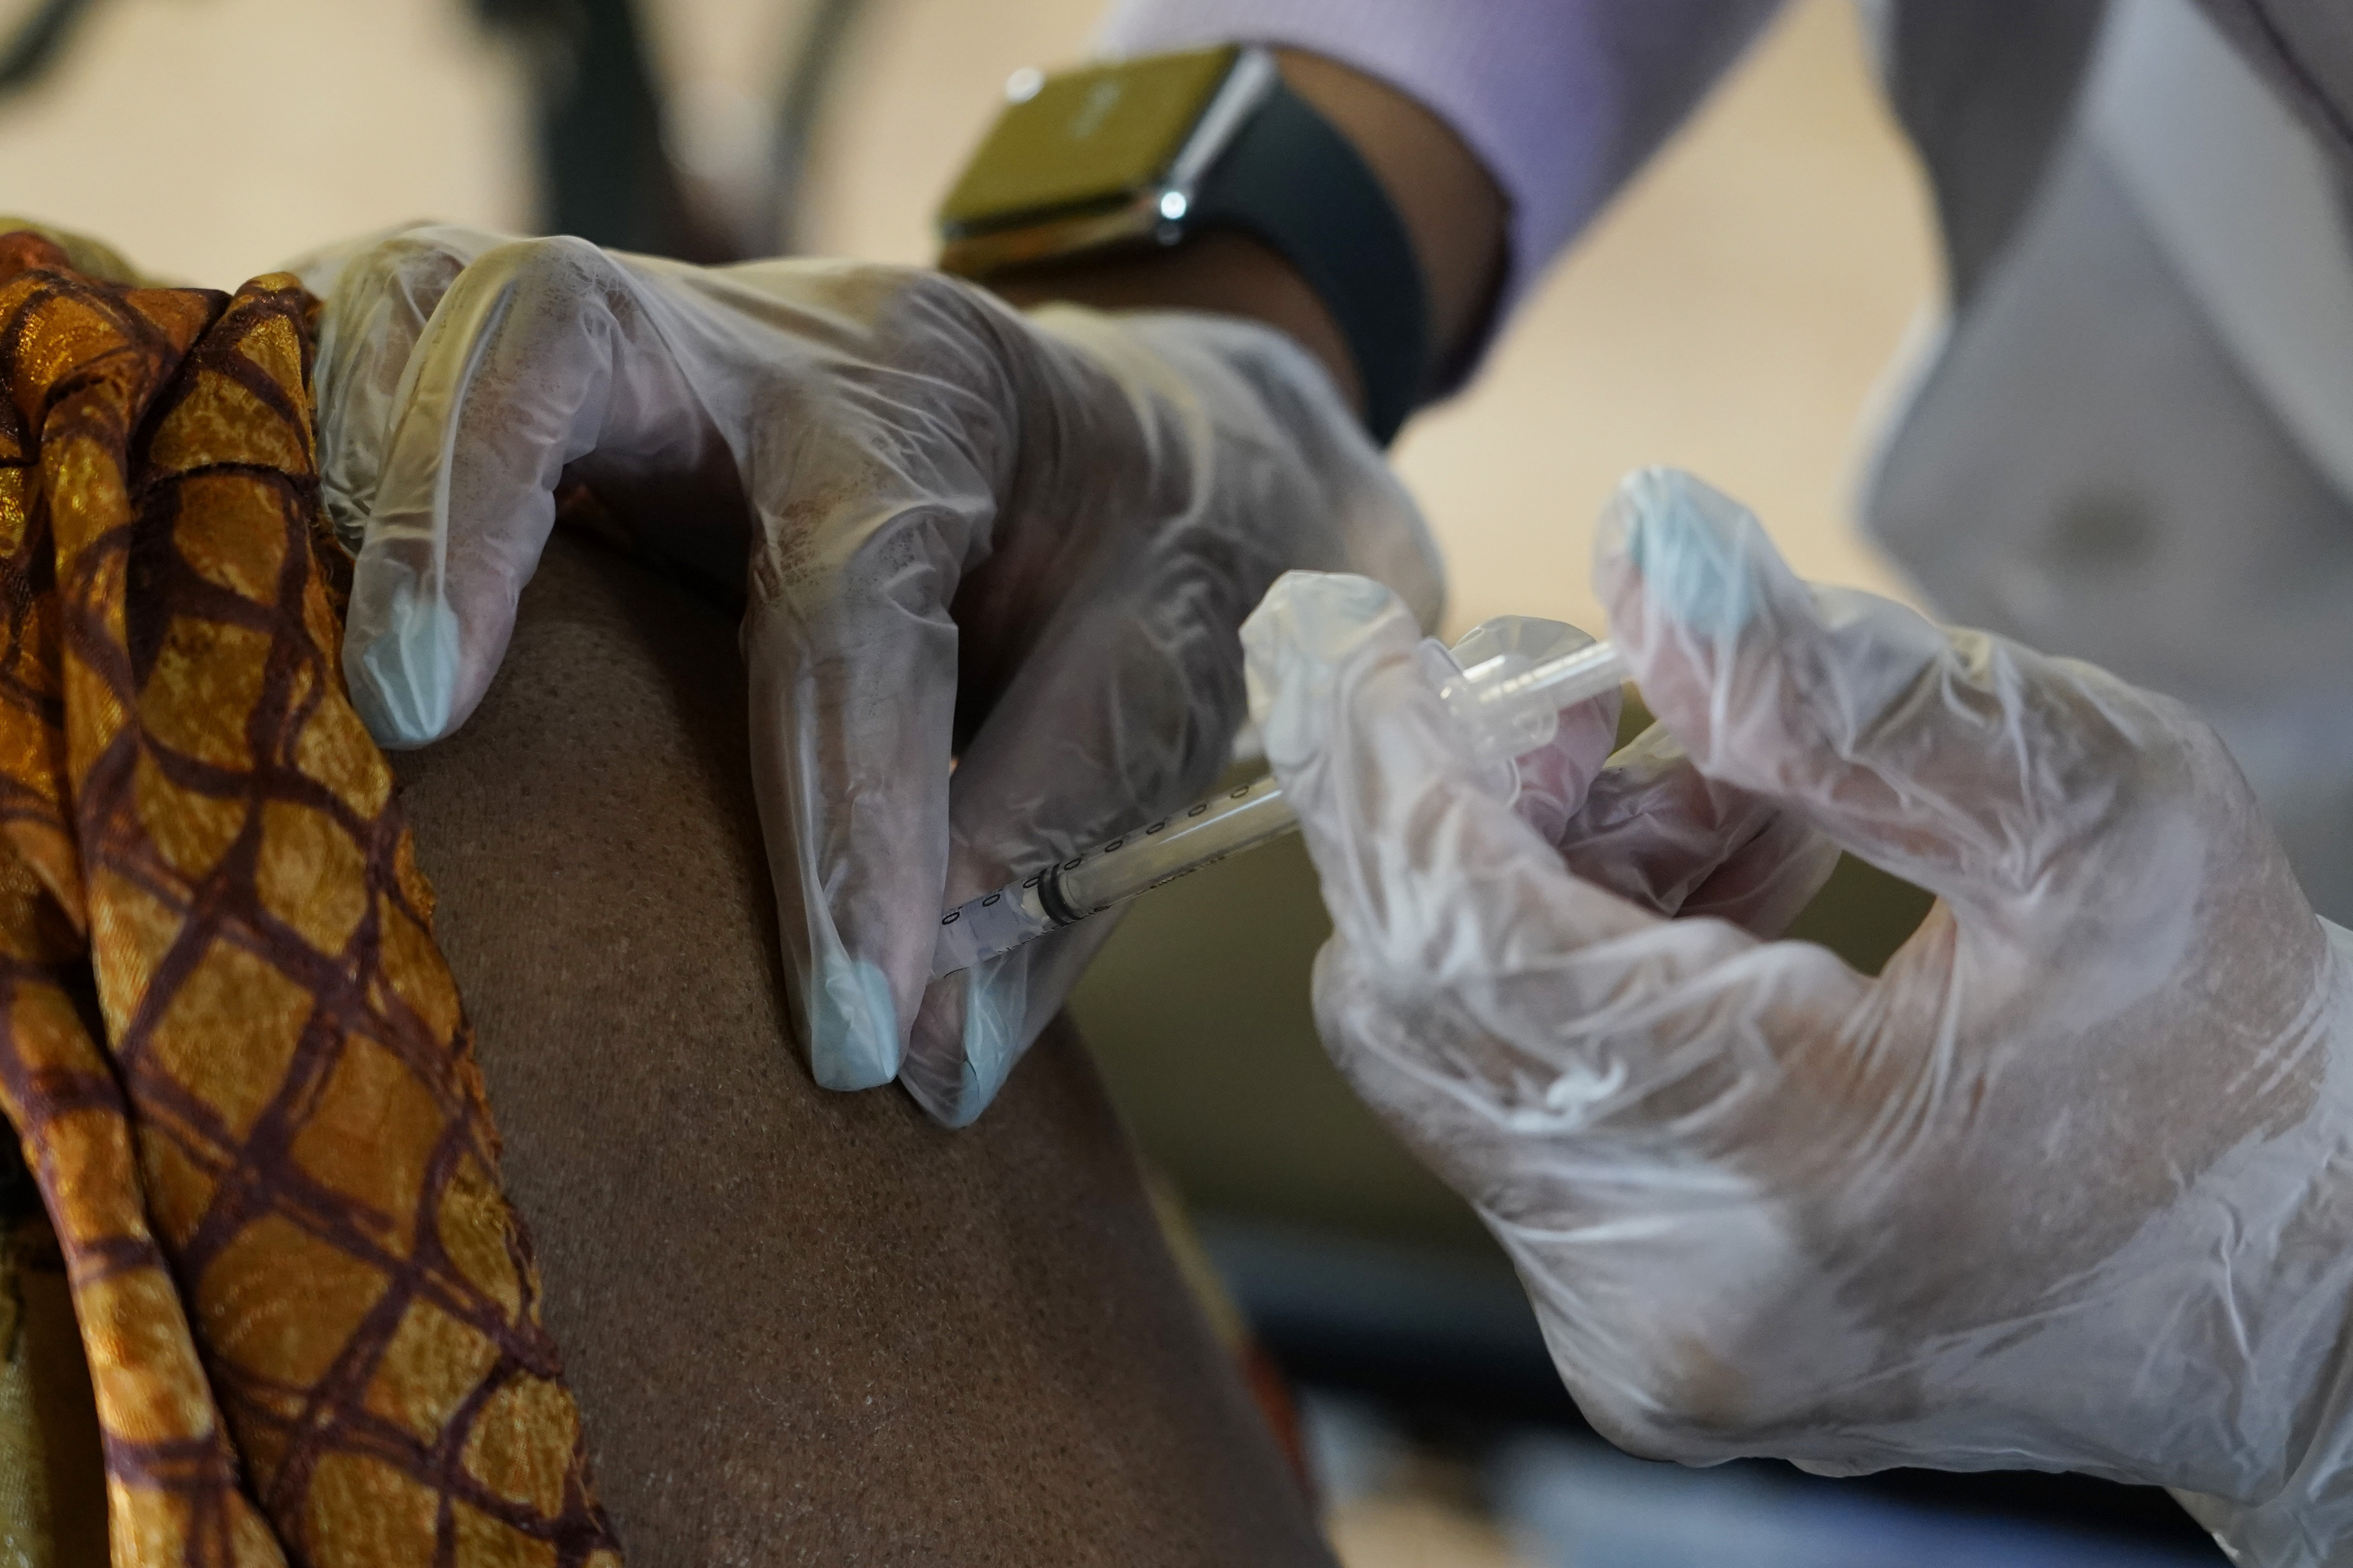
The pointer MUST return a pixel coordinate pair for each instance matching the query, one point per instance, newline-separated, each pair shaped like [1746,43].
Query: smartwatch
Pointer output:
[1131,156]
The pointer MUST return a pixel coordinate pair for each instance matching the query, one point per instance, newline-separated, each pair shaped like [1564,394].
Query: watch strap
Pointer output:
[1290,181]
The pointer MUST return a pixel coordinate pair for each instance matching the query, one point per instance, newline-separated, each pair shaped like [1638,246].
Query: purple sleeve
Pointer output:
[1562,98]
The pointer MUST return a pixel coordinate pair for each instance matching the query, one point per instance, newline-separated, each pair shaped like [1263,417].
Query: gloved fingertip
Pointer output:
[402,670]
[1703,559]
[989,1043]
[992,1043]
[1321,612]
[853,1026]
[1310,621]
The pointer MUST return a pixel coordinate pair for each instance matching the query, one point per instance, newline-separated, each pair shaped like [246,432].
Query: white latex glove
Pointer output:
[2070,1186]
[1025,540]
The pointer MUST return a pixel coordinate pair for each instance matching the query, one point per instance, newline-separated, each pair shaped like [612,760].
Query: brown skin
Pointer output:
[1450,205]
[803,1327]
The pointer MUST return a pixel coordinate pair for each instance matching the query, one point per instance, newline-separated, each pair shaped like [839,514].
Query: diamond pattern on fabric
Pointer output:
[231,1050]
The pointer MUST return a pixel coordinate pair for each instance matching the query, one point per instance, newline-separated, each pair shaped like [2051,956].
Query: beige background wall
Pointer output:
[211,139]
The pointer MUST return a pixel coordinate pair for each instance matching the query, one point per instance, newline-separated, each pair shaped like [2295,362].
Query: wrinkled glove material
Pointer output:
[232,1054]
[2069,1185]
[1023,543]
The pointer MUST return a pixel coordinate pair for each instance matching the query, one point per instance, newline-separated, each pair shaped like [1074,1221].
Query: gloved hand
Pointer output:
[2070,1186]
[1024,542]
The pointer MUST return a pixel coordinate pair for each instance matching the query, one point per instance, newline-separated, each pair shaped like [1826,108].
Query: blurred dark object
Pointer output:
[1448,1340]
[806,78]
[608,173]
[18,1196]
[603,172]
[38,41]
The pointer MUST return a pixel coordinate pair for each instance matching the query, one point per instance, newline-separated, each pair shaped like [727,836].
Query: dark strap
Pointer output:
[1297,185]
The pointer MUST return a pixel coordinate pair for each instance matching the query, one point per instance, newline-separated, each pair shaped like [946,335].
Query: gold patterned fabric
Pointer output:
[231,1051]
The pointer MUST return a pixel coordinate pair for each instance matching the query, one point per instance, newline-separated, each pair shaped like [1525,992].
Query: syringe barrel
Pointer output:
[1204,833]
[1506,682]
[1201,835]
[993,923]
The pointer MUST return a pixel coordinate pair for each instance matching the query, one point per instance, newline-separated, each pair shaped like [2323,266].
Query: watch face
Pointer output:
[1086,140]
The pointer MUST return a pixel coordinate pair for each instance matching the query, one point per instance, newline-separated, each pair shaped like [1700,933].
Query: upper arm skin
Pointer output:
[801,1326]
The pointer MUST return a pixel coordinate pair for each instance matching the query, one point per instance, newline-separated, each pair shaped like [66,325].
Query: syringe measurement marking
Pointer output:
[1060,904]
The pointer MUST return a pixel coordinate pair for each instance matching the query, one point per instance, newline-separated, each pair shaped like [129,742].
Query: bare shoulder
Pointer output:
[801,1326]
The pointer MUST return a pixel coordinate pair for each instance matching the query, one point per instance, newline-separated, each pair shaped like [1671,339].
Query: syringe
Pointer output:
[1506,682]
